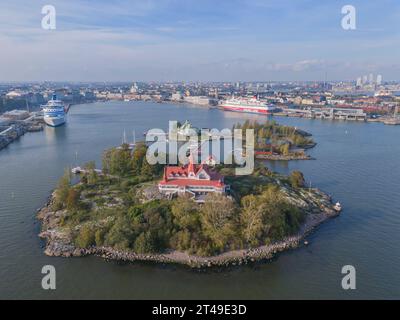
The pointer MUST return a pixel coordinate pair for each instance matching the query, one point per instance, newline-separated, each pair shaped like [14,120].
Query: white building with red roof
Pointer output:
[192,179]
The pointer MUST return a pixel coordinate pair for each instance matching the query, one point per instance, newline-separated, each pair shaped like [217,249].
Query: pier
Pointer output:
[14,124]
[325,113]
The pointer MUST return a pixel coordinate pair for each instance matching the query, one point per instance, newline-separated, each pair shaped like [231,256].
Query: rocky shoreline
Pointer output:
[59,245]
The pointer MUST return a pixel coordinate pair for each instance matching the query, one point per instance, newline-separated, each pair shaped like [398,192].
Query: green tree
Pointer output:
[91,176]
[62,190]
[138,156]
[72,201]
[120,235]
[117,161]
[268,216]
[252,219]
[99,236]
[185,213]
[145,243]
[218,215]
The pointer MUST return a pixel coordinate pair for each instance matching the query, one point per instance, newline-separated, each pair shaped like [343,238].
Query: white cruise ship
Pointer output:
[252,105]
[54,112]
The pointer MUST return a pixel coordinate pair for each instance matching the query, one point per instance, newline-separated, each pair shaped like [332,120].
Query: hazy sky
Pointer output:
[216,40]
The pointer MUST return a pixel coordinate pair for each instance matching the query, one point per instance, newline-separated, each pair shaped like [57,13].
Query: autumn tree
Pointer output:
[296,179]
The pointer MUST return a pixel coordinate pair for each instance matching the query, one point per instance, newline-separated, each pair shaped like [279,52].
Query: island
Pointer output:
[200,215]
[278,142]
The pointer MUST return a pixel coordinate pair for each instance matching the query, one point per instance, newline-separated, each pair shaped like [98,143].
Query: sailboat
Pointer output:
[131,145]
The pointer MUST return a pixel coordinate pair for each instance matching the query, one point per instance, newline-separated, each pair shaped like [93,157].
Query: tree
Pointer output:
[72,200]
[268,216]
[145,243]
[120,234]
[251,219]
[296,179]
[117,161]
[62,190]
[138,156]
[99,236]
[185,213]
[218,219]
[92,176]
[284,149]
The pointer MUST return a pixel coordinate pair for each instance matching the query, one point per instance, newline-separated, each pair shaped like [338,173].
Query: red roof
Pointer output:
[192,182]
[178,175]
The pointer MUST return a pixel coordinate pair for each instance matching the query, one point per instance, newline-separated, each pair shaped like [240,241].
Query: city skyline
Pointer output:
[197,41]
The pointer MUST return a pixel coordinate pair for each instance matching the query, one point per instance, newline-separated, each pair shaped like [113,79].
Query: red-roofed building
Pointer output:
[192,179]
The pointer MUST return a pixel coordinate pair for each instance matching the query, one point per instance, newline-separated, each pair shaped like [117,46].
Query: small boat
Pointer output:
[76,170]
[337,207]
[392,121]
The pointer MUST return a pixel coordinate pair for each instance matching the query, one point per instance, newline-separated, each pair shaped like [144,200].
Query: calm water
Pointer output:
[357,163]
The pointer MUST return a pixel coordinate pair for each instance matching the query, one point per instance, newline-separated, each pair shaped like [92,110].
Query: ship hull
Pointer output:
[248,110]
[54,122]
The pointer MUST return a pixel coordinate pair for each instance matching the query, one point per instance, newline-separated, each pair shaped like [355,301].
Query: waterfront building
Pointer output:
[177,96]
[199,100]
[15,94]
[134,88]
[16,115]
[194,180]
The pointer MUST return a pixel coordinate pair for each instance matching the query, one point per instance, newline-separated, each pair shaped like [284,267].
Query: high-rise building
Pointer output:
[379,80]
[371,78]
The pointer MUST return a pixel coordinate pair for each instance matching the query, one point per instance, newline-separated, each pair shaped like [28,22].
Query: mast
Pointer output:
[124,137]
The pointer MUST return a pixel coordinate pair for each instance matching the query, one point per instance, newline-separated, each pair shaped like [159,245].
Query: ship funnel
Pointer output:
[54,97]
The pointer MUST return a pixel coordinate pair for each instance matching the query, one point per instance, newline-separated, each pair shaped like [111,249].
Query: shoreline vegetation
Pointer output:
[118,213]
[276,142]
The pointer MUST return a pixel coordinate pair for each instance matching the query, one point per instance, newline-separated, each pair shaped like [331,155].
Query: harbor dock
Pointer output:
[16,123]
[325,113]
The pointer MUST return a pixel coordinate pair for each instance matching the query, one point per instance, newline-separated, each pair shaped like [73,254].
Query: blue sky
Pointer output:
[219,40]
